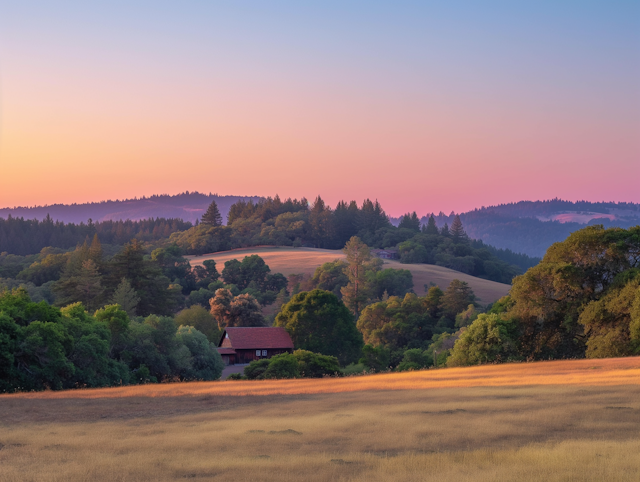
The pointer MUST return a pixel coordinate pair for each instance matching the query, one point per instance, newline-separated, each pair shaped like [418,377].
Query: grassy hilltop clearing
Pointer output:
[554,421]
[288,261]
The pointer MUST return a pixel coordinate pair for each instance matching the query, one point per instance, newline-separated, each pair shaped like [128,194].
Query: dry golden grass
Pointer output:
[482,423]
[305,260]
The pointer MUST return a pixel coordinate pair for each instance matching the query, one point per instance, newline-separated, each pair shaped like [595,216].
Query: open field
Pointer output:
[288,261]
[557,421]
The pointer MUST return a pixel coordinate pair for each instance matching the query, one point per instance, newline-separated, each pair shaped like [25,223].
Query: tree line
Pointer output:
[582,300]
[296,223]
[21,236]
[44,347]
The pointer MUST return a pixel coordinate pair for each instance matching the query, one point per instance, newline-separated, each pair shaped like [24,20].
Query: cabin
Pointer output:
[240,345]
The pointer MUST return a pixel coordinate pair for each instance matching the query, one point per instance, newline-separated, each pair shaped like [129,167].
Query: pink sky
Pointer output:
[85,118]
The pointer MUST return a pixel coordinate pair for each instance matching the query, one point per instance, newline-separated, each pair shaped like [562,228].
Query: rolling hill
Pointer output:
[530,227]
[187,206]
[288,261]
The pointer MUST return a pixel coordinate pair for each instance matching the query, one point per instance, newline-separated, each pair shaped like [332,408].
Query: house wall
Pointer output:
[247,356]
[229,359]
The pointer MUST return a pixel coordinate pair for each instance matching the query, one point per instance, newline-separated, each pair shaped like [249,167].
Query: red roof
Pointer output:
[252,338]
[226,351]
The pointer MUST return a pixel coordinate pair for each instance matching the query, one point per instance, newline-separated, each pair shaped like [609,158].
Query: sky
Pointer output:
[426,106]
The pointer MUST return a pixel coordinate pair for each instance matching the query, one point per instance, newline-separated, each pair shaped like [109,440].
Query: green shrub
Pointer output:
[255,370]
[315,365]
[284,365]
[375,358]
[236,376]
[415,359]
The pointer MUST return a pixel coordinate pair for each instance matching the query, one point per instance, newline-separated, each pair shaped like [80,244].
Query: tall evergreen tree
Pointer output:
[126,297]
[457,231]
[145,277]
[89,288]
[66,288]
[431,227]
[212,216]
[95,251]
[322,224]
[410,221]
[346,218]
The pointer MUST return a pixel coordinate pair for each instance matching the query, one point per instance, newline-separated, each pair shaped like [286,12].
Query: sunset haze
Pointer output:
[424,106]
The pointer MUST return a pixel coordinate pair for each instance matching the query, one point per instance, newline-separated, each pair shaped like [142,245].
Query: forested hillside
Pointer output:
[530,227]
[294,222]
[19,236]
[188,206]
[527,227]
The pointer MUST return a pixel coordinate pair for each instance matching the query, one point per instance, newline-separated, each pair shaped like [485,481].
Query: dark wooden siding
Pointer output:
[247,356]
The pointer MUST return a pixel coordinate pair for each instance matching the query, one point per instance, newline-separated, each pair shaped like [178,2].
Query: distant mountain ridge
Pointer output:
[554,209]
[188,206]
[530,227]
[527,227]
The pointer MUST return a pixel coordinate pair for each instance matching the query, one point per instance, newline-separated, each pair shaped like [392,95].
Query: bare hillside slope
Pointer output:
[305,260]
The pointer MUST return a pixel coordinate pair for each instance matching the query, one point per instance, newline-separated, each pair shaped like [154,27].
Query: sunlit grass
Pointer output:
[489,425]
[602,372]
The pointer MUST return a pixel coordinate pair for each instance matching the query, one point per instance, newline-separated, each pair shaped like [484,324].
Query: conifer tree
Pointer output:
[322,223]
[445,231]
[457,231]
[410,221]
[126,297]
[95,250]
[431,226]
[89,288]
[212,217]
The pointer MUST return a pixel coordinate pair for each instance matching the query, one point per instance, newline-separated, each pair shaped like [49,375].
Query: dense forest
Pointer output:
[21,236]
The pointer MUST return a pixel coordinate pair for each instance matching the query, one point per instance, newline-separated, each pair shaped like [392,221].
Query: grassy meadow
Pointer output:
[557,421]
[288,261]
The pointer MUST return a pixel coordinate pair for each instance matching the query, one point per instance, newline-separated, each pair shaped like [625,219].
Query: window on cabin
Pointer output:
[257,352]
[264,352]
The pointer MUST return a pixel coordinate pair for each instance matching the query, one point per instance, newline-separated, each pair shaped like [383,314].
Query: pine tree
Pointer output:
[346,216]
[445,230]
[457,231]
[212,217]
[410,221]
[126,297]
[95,250]
[88,286]
[321,222]
[431,226]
